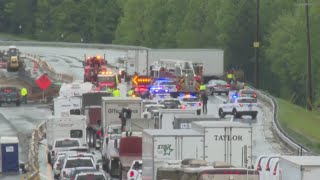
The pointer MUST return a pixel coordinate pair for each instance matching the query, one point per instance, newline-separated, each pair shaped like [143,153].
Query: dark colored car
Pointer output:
[9,95]
[171,104]
[248,93]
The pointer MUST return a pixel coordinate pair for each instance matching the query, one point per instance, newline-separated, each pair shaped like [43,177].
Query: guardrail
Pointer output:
[271,101]
[65,44]
[33,162]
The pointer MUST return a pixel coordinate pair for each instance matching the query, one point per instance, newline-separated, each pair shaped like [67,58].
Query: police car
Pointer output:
[239,106]
[163,84]
[192,102]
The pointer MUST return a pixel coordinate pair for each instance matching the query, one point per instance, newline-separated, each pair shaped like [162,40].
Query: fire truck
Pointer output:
[106,79]
[92,67]
[187,75]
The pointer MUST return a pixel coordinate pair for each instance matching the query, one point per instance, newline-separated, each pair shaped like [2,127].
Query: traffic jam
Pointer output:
[112,125]
[159,129]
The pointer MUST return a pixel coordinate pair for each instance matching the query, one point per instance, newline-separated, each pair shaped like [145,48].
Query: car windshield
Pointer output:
[171,102]
[168,174]
[223,83]
[190,99]
[106,78]
[67,143]
[247,100]
[91,177]
[73,163]
[189,176]
[137,166]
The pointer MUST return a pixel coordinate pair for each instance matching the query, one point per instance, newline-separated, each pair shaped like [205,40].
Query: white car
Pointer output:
[150,109]
[76,162]
[135,171]
[95,175]
[238,107]
[166,85]
[62,144]
[191,103]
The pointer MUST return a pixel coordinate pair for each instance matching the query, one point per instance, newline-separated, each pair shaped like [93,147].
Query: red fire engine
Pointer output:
[92,67]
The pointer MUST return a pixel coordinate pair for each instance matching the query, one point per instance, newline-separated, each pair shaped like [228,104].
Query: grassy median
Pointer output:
[300,124]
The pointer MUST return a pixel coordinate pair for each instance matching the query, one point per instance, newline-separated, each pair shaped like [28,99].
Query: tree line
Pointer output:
[221,24]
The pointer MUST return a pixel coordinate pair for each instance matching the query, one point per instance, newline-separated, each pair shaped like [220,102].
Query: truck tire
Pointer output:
[254,115]
[234,113]
[221,113]
[94,139]
[49,158]
[199,112]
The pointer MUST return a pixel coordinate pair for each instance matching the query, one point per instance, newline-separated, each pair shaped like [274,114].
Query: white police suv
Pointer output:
[239,106]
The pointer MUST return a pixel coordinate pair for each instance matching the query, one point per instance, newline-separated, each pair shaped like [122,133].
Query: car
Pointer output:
[151,109]
[76,171]
[191,102]
[58,162]
[247,93]
[10,95]
[61,144]
[135,171]
[171,103]
[76,162]
[238,107]
[94,175]
[163,84]
[218,86]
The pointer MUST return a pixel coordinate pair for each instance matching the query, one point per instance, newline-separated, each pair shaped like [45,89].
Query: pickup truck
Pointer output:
[9,95]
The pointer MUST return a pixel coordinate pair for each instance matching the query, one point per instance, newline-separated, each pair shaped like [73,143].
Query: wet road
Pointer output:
[68,60]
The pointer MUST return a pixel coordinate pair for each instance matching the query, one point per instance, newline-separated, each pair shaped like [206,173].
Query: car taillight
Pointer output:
[228,85]
[177,87]
[254,95]
[200,104]
[131,173]
[183,107]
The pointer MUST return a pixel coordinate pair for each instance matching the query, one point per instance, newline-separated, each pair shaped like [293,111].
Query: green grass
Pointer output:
[300,124]
[13,37]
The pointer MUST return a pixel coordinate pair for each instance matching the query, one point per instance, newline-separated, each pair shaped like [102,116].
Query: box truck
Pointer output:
[166,117]
[72,126]
[226,141]
[64,106]
[184,121]
[162,145]
[299,167]
[112,106]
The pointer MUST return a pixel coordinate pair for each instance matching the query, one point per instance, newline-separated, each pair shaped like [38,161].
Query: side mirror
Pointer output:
[50,147]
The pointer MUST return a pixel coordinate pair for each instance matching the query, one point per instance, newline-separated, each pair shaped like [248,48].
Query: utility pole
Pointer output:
[256,45]
[309,76]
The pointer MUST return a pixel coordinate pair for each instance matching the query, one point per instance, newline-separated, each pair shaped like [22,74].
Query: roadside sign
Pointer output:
[43,82]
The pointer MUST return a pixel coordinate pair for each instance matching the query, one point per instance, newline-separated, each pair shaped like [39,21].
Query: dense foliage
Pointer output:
[225,24]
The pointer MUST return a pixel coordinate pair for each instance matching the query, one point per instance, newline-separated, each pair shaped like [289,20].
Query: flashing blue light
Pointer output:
[234,96]
[163,80]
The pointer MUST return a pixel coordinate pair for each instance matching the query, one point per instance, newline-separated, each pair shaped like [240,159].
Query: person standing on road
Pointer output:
[24,93]
[123,121]
[204,99]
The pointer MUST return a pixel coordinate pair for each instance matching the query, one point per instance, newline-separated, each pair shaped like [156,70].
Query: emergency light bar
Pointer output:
[187,95]
[164,80]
